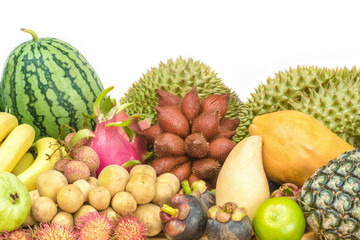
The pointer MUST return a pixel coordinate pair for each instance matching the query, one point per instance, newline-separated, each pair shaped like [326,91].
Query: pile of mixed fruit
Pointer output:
[178,156]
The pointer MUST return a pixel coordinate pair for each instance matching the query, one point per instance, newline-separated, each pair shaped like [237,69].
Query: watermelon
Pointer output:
[2,107]
[47,83]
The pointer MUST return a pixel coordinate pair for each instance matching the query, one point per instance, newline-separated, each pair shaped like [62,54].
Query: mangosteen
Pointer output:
[199,189]
[184,217]
[272,186]
[288,190]
[228,222]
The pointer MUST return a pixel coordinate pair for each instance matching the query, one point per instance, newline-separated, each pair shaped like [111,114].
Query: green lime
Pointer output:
[279,218]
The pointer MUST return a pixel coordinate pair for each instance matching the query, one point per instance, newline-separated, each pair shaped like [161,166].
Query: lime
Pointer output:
[279,218]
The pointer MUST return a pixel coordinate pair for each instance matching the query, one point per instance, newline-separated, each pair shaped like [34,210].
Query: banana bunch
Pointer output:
[16,140]
[22,156]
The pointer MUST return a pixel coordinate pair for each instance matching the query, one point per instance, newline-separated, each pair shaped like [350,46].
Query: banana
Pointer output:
[47,151]
[7,123]
[24,163]
[15,146]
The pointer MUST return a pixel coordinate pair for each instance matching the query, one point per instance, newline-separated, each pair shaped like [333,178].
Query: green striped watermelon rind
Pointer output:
[2,107]
[48,83]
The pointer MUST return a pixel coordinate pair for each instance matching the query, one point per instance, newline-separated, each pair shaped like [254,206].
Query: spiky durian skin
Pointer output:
[330,198]
[287,87]
[178,77]
[337,106]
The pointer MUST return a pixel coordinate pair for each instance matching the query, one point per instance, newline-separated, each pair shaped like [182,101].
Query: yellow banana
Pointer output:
[48,152]
[15,146]
[7,123]
[24,163]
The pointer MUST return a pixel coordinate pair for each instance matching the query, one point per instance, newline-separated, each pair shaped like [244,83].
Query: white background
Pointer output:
[245,42]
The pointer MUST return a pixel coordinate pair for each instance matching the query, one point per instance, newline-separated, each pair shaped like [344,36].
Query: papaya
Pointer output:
[295,145]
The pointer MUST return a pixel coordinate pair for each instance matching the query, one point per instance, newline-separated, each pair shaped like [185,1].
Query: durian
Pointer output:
[178,77]
[293,90]
[336,106]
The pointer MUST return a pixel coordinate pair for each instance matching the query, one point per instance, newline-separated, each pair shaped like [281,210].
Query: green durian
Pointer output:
[178,77]
[296,85]
[336,106]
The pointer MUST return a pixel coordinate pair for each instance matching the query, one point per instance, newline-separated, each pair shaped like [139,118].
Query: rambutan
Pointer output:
[94,226]
[53,231]
[17,234]
[130,227]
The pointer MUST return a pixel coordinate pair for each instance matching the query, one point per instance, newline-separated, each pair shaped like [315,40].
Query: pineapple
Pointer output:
[330,198]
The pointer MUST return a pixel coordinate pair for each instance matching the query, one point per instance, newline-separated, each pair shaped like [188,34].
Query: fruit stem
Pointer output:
[149,155]
[131,163]
[228,207]
[186,186]
[169,210]
[33,34]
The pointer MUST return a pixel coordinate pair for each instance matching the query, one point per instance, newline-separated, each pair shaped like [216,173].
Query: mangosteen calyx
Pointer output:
[228,211]
[183,217]
[232,221]
[199,185]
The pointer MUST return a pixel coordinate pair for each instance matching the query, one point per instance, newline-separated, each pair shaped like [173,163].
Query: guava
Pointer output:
[15,201]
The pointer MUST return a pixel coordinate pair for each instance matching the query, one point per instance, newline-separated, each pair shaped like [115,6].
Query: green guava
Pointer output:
[15,202]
